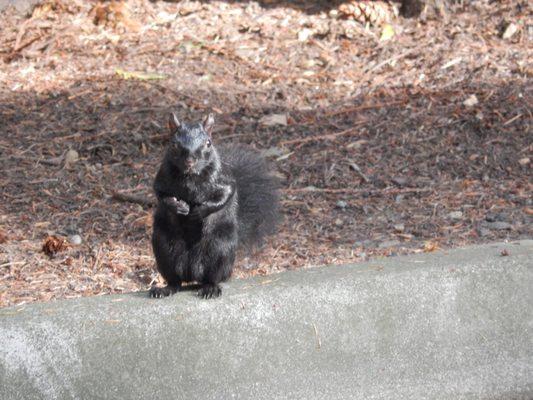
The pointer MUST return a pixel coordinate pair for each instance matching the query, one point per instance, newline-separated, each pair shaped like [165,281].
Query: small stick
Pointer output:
[329,136]
[356,168]
[375,191]
[20,34]
[363,107]
[130,198]
[96,259]
[512,119]
[56,162]
[388,60]
[9,264]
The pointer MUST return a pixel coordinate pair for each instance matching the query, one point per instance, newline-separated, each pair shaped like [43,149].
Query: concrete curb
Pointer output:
[448,325]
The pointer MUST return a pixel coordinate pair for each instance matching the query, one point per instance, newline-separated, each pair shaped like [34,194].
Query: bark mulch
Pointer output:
[385,147]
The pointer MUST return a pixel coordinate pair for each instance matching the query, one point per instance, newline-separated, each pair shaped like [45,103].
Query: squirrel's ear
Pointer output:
[208,123]
[173,123]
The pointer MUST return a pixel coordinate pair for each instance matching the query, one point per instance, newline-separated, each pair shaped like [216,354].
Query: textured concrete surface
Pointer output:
[449,325]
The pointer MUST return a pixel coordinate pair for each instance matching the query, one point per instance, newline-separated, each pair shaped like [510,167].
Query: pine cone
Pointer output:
[113,13]
[368,12]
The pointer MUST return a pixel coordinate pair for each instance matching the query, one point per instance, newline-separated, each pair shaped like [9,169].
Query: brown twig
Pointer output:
[130,198]
[11,56]
[366,191]
[360,108]
[329,136]
[20,34]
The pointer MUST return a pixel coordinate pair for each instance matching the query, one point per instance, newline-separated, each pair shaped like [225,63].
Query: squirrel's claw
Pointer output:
[160,292]
[209,291]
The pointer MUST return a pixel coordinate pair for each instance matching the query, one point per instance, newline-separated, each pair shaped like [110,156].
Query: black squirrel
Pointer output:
[211,201]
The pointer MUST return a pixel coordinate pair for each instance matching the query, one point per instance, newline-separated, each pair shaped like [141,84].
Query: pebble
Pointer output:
[75,239]
[341,204]
[389,243]
[399,228]
[491,217]
[338,222]
[500,226]
[305,34]
[274,119]
[471,101]
[483,232]
[399,180]
[455,215]
[71,158]
[509,31]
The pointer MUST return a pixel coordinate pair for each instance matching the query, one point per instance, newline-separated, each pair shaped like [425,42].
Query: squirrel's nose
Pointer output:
[189,162]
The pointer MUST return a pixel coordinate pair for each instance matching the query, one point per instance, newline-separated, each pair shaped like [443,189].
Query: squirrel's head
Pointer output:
[191,150]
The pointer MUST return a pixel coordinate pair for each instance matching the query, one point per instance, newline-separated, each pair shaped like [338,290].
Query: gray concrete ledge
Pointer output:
[449,325]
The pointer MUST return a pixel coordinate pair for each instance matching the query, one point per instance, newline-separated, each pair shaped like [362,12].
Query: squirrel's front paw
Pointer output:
[182,207]
[177,206]
[196,212]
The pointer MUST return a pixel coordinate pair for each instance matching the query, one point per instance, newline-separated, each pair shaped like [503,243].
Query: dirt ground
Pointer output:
[385,147]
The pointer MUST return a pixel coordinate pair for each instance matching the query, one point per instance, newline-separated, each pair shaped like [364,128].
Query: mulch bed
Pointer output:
[384,147]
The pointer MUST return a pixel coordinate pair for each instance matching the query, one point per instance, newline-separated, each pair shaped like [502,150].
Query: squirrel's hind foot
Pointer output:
[209,291]
[159,292]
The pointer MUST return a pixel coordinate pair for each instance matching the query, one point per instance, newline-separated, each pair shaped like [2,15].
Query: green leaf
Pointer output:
[387,32]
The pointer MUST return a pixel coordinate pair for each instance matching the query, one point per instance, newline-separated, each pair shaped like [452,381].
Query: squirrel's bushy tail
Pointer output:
[258,194]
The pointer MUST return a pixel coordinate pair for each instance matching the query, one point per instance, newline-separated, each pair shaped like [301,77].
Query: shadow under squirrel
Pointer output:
[211,201]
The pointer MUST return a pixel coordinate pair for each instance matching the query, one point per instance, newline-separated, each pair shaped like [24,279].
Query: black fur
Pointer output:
[209,205]
[258,211]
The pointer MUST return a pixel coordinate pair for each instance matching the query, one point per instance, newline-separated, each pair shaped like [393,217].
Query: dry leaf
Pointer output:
[305,34]
[71,158]
[3,236]
[387,32]
[430,246]
[114,13]
[357,144]
[145,221]
[509,32]
[274,119]
[42,11]
[284,156]
[53,245]
[471,101]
